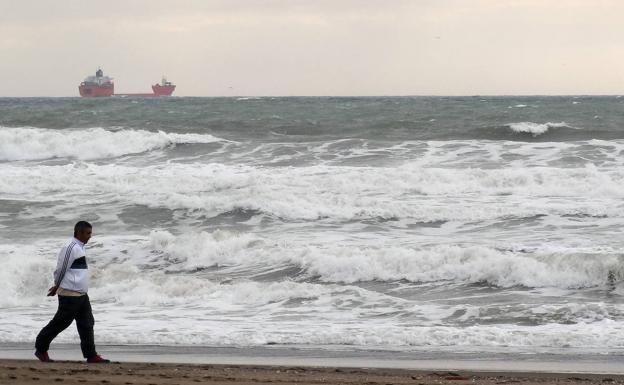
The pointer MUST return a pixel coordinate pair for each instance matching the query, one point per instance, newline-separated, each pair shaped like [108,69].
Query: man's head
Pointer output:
[82,231]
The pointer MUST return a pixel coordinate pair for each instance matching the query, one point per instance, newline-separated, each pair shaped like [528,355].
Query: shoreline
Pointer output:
[279,355]
[29,372]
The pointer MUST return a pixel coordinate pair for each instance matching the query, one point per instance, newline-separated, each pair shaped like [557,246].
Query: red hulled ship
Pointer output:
[165,88]
[100,85]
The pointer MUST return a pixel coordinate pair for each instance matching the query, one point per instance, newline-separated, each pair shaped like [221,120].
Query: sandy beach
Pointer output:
[70,372]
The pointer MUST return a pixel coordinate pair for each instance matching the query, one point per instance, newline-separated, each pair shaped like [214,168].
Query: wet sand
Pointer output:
[71,372]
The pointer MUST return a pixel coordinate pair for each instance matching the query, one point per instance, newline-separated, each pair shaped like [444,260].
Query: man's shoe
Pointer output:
[43,356]
[97,359]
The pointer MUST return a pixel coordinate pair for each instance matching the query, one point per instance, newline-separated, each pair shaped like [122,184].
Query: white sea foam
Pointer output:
[602,336]
[145,278]
[388,263]
[26,273]
[164,269]
[535,128]
[184,328]
[322,192]
[191,325]
[460,154]
[28,143]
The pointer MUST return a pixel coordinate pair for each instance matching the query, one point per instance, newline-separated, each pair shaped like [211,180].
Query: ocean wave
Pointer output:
[223,307]
[324,192]
[26,275]
[388,263]
[181,327]
[222,267]
[29,143]
[536,128]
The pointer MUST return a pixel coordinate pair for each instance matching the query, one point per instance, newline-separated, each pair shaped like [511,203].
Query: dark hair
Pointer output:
[78,227]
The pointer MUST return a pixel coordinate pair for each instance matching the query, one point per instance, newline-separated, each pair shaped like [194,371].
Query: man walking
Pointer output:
[71,281]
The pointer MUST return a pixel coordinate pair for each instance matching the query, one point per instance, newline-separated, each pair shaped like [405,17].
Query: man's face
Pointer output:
[84,235]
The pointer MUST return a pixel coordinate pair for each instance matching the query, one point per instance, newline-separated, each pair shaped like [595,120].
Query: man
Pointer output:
[71,281]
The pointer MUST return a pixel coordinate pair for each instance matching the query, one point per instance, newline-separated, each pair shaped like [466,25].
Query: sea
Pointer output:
[390,224]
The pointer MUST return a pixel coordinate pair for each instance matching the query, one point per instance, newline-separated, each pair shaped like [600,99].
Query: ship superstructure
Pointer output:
[98,85]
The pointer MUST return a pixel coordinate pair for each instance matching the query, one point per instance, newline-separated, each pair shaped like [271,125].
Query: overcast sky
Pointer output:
[307,47]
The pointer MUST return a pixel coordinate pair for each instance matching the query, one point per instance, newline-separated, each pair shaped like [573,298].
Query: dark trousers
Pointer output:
[69,309]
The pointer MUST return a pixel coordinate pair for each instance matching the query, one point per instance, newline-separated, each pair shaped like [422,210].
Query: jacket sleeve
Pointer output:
[65,260]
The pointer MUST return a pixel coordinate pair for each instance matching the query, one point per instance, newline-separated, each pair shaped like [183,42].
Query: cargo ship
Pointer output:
[165,88]
[100,85]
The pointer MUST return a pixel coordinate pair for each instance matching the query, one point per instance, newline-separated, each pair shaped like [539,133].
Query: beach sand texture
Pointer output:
[29,372]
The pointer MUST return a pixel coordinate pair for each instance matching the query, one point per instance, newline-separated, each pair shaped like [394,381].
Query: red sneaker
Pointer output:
[97,359]
[43,356]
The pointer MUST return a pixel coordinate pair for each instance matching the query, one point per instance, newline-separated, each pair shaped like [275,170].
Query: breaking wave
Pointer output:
[324,192]
[536,128]
[212,285]
[387,263]
[160,277]
[126,271]
[29,143]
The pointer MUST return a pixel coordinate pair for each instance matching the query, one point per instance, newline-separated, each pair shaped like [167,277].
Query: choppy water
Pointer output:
[462,224]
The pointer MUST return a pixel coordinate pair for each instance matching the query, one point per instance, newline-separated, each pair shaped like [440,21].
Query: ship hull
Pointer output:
[160,90]
[90,91]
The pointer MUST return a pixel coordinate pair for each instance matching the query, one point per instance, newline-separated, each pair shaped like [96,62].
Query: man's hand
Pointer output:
[52,291]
